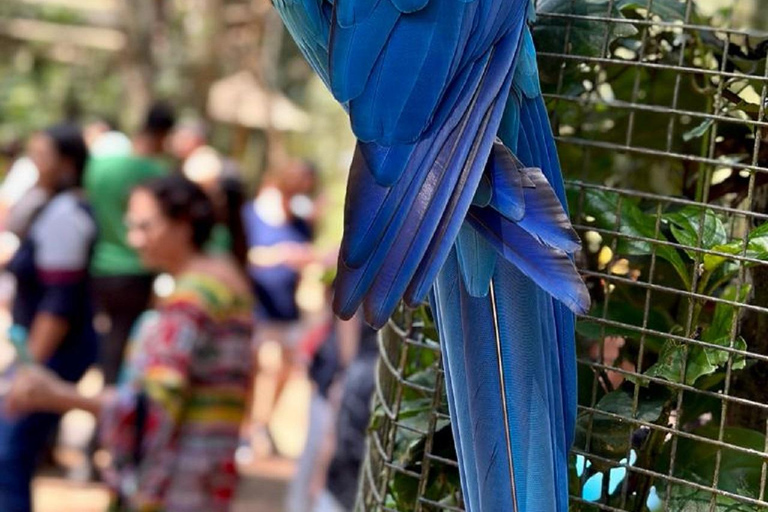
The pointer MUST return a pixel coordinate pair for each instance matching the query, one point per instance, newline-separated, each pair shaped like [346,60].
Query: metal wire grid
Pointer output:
[615,133]
[404,443]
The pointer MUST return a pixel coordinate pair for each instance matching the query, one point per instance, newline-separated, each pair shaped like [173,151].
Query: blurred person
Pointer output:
[279,238]
[220,178]
[352,419]
[228,236]
[20,199]
[51,311]
[231,193]
[18,181]
[338,342]
[112,143]
[188,138]
[122,283]
[104,139]
[172,423]
[95,129]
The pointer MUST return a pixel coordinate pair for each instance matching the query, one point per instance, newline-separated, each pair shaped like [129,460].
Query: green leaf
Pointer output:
[667,10]
[610,437]
[740,473]
[682,497]
[698,131]
[703,361]
[584,37]
[670,363]
[713,261]
[757,248]
[685,225]
[602,206]
[706,361]
[723,317]
[621,403]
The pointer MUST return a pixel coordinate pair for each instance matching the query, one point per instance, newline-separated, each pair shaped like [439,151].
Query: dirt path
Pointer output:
[261,490]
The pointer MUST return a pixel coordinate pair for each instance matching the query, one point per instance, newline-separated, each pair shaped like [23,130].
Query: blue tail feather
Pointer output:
[523,342]
[538,351]
[477,260]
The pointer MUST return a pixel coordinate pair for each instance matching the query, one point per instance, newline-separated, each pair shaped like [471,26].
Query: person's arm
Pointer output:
[45,335]
[348,336]
[296,255]
[37,389]
[160,381]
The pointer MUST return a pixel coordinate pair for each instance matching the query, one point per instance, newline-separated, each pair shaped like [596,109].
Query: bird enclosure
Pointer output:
[658,107]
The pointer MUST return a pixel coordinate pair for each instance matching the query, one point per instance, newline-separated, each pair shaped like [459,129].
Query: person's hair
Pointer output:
[182,200]
[160,119]
[311,169]
[234,199]
[69,143]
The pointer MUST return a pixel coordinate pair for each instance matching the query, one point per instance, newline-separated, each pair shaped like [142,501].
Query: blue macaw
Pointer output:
[455,194]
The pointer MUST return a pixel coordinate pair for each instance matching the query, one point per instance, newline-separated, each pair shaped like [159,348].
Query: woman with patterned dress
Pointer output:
[172,423]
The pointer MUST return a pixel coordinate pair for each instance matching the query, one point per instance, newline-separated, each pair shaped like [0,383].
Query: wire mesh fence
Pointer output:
[659,113]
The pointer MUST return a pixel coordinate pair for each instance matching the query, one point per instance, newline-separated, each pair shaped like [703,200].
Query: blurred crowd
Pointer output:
[144,259]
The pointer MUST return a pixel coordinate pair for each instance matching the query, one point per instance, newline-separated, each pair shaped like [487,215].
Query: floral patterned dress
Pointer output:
[173,426]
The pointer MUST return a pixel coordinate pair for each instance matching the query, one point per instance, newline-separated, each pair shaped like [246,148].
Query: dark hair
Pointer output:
[69,143]
[234,199]
[160,119]
[182,200]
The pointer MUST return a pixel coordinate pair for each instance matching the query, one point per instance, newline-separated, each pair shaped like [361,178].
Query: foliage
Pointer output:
[37,88]
[415,415]
[672,360]
[630,234]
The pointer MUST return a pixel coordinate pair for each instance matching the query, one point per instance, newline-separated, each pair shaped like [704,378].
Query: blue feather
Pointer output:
[504,346]
[550,268]
[352,12]
[411,75]
[506,176]
[455,372]
[308,22]
[477,260]
[545,218]
[375,211]
[401,248]
[537,362]
[354,50]
[419,252]
[409,6]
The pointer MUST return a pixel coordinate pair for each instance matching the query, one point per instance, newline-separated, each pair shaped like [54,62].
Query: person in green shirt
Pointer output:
[122,285]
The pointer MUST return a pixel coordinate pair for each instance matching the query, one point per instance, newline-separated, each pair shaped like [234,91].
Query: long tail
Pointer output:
[508,344]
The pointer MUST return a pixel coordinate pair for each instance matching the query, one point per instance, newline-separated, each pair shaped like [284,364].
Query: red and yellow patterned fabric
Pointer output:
[190,364]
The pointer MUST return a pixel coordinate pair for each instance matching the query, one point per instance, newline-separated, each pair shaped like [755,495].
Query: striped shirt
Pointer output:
[191,361]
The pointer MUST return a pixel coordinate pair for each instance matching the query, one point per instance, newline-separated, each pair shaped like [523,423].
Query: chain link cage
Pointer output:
[659,111]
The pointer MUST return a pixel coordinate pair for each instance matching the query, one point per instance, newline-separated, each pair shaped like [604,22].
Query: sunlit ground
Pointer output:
[261,490]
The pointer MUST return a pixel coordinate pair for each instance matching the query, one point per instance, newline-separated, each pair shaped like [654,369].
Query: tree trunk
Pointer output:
[138,64]
[204,37]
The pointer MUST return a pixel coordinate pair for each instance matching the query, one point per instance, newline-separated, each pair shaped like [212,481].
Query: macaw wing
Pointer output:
[394,60]
[424,82]
[309,23]
[397,236]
